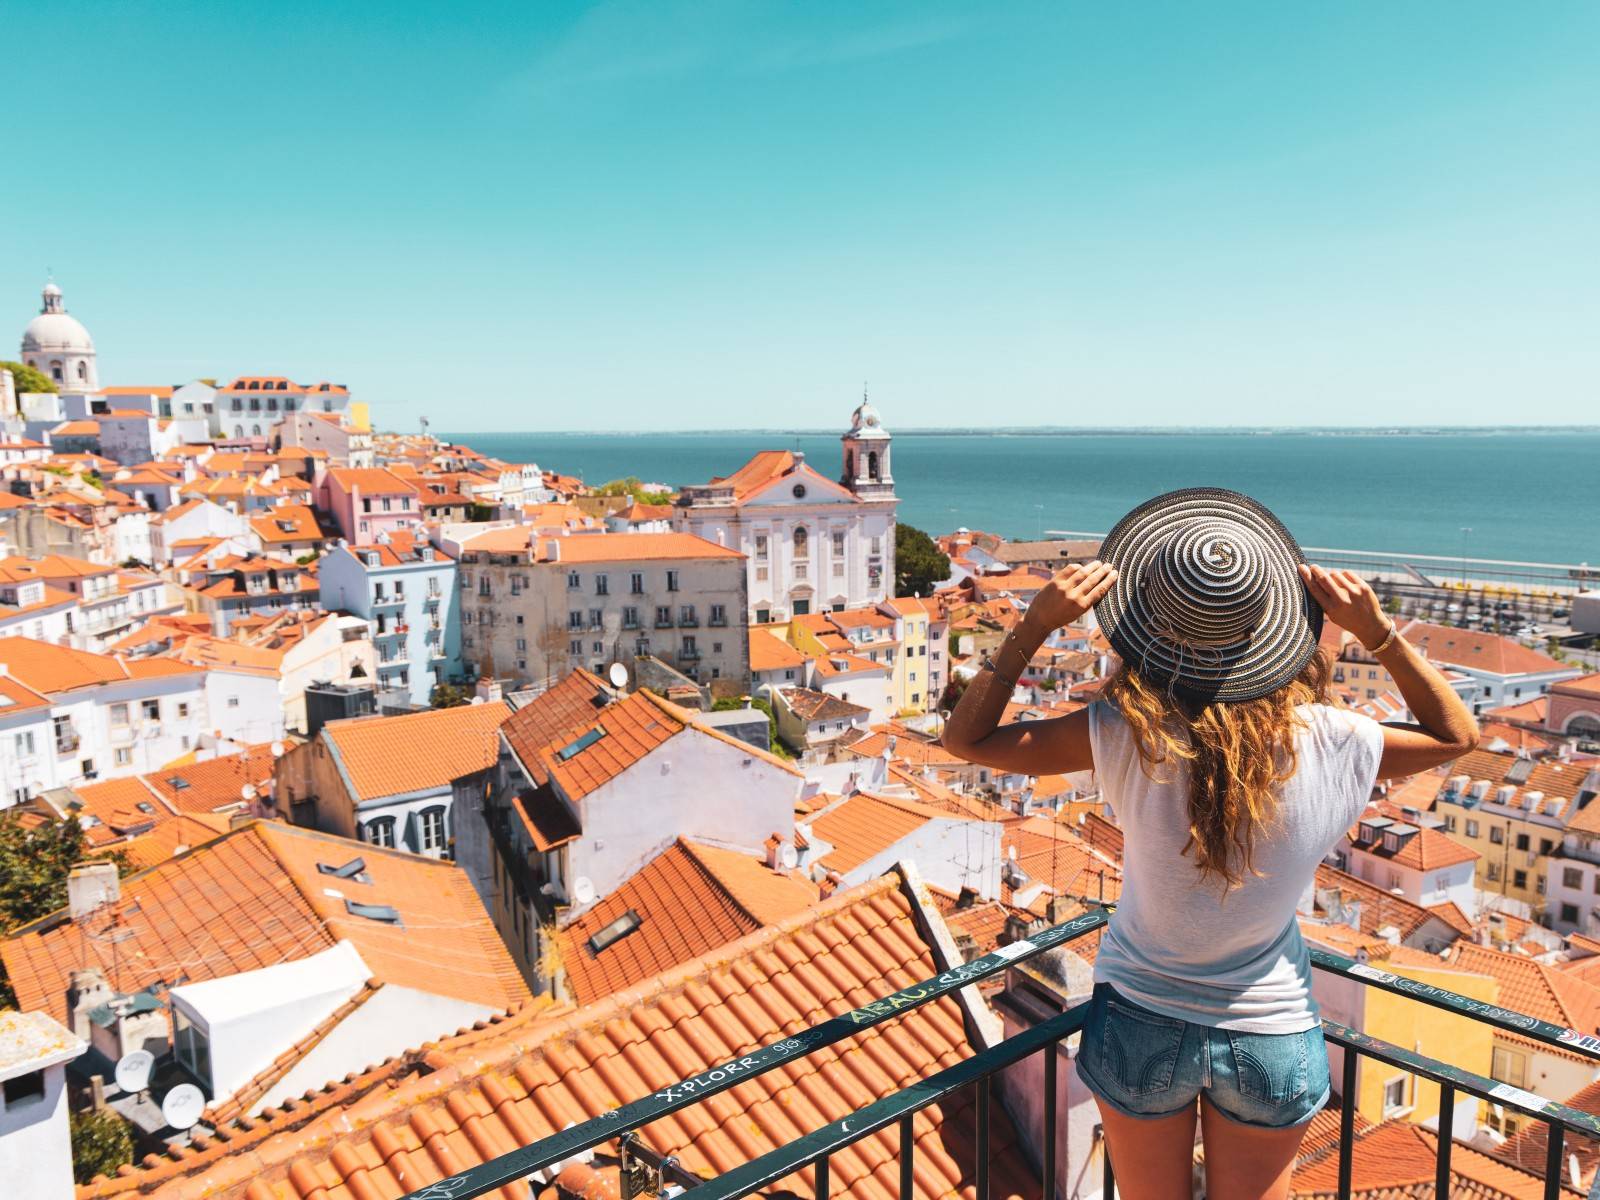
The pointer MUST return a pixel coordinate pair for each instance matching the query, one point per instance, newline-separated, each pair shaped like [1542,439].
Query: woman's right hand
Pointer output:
[1349,602]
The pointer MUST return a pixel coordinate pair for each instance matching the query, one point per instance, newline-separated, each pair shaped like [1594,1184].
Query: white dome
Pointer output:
[55,333]
[865,422]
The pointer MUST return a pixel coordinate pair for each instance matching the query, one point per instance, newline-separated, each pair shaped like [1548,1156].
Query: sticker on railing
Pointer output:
[1373,973]
[1572,1037]
[1504,1091]
[1014,950]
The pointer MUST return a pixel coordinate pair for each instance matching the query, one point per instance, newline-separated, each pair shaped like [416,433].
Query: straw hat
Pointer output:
[1208,601]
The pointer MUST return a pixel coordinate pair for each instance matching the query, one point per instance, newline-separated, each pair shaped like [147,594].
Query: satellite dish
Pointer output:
[183,1106]
[583,890]
[789,857]
[618,674]
[248,791]
[133,1070]
[277,749]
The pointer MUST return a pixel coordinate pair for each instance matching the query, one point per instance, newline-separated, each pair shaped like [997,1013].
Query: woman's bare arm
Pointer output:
[1445,728]
[1055,744]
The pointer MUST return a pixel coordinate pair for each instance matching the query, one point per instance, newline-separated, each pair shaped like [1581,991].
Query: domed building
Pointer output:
[56,343]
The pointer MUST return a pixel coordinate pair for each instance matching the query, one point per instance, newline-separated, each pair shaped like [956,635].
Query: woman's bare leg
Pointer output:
[1246,1162]
[1152,1157]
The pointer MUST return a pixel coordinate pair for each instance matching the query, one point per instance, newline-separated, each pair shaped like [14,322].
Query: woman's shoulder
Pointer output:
[1337,721]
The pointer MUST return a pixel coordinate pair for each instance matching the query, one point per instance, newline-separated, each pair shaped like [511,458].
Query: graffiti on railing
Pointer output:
[1454,1000]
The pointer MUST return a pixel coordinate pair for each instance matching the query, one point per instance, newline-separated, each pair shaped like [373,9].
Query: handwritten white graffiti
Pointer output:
[689,1087]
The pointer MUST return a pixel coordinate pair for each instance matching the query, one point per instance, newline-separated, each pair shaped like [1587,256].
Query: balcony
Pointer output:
[644,1171]
[388,601]
[67,741]
[689,653]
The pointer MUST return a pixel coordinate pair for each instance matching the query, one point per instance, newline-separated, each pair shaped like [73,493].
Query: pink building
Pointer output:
[367,501]
[1575,707]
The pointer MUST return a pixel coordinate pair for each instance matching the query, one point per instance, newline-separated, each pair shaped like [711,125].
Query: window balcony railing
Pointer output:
[648,1173]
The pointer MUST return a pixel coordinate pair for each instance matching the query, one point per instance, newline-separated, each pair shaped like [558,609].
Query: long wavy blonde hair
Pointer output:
[1238,754]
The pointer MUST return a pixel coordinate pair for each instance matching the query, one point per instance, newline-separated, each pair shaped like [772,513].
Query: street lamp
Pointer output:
[1465,529]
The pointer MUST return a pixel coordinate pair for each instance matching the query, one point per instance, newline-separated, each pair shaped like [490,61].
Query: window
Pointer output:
[191,1045]
[1508,1067]
[764,616]
[1519,879]
[802,607]
[122,756]
[379,831]
[596,618]
[663,614]
[636,583]
[183,710]
[1394,1095]
[802,542]
[686,614]
[602,585]
[24,745]
[150,710]
[1546,846]
[1492,872]
[719,614]
[1569,914]
[838,542]
[672,581]
[1497,835]
[430,830]
[574,582]
[522,644]
[575,647]
[1572,877]
[1472,828]
[1522,841]
[24,1089]
[761,547]
[119,714]
[630,617]
[1449,824]
[574,619]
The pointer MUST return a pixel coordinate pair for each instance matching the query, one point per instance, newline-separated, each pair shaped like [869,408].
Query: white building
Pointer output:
[1423,864]
[35,1144]
[248,407]
[811,543]
[75,716]
[56,344]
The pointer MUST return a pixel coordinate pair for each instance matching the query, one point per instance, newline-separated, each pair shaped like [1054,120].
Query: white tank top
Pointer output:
[1175,944]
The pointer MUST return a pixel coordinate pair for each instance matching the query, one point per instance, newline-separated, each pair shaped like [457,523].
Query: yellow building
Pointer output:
[1384,1092]
[1513,812]
[906,635]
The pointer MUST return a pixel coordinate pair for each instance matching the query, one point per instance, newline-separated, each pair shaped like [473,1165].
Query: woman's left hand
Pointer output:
[1071,592]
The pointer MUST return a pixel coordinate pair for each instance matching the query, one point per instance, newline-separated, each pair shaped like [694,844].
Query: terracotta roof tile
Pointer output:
[569,707]
[863,827]
[386,756]
[686,906]
[1533,988]
[1491,652]
[390,1131]
[627,731]
[216,783]
[253,898]
[771,653]
[1398,1155]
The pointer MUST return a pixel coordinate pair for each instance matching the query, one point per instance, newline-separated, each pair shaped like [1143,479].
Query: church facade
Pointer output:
[811,543]
[56,344]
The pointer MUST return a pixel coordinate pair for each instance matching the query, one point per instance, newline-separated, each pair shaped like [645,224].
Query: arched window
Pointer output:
[83,370]
[379,831]
[55,371]
[255,431]
[849,464]
[872,464]
[802,542]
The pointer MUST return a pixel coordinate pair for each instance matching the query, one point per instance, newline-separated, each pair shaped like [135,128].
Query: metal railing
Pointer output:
[813,1150]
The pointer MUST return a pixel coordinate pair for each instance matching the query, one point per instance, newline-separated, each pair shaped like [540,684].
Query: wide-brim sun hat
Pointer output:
[1208,602]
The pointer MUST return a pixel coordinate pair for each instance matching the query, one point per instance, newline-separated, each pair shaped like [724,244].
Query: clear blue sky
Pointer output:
[671,215]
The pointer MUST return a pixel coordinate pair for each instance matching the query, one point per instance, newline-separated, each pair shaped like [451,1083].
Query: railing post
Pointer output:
[1447,1118]
[822,1178]
[907,1149]
[1552,1161]
[982,1192]
[1108,1181]
[1050,1053]
[1347,1122]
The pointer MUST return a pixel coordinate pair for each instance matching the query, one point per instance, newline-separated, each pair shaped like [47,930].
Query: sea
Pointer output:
[1514,495]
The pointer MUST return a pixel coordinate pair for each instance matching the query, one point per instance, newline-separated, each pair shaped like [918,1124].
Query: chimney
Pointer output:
[487,689]
[552,550]
[967,897]
[35,1146]
[86,992]
[91,884]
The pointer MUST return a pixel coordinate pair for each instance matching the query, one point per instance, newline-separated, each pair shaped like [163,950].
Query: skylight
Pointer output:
[573,749]
[610,934]
[373,912]
[1520,770]
[178,783]
[351,870]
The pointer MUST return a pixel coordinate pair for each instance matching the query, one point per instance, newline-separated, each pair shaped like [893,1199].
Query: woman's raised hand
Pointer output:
[1349,602]
[1071,592]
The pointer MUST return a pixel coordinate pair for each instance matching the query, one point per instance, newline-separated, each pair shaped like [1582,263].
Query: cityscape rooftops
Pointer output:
[417,752]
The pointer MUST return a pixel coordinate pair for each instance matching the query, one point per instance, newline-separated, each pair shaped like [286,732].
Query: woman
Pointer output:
[1232,776]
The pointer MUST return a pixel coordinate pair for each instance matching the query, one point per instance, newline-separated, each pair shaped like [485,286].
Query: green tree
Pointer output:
[101,1142]
[1391,604]
[632,487]
[480,512]
[448,695]
[28,379]
[919,565]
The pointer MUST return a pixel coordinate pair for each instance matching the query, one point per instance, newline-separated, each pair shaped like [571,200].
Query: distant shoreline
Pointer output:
[1070,431]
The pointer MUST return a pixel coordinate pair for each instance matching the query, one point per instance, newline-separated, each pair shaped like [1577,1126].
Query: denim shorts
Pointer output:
[1144,1064]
